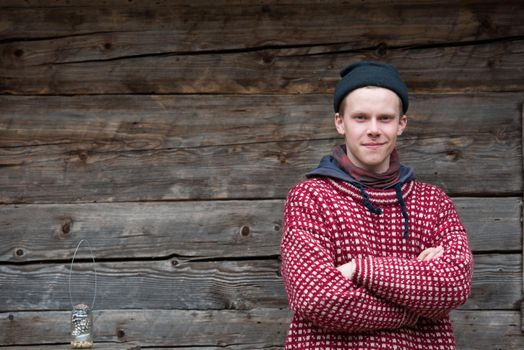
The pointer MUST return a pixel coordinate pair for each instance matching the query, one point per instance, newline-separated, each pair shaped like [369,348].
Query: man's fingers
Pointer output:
[431,253]
[423,255]
[439,252]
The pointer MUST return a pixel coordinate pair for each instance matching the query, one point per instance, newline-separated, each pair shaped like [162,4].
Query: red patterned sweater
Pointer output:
[393,301]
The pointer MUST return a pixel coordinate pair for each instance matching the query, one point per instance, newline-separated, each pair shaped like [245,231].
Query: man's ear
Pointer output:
[339,124]
[402,123]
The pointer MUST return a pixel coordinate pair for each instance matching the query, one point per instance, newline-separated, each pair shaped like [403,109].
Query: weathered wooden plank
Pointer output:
[490,272]
[127,122]
[167,284]
[489,221]
[193,285]
[124,122]
[97,30]
[487,66]
[522,207]
[435,20]
[261,328]
[200,229]
[97,346]
[144,230]
[257,328]
[487,330]
[64,173]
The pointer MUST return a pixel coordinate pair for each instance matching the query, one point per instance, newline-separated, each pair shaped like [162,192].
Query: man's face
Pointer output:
[370,124]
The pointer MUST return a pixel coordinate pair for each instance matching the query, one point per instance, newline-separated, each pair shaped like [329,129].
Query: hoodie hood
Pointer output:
[329,167]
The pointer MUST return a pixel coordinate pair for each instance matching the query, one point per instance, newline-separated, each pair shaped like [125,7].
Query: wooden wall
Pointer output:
[167,133]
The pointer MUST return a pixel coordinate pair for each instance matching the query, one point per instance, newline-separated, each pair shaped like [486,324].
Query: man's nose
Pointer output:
[373,127]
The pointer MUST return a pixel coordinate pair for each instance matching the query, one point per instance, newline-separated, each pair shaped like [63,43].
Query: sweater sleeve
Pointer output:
[429,288]
[316,290]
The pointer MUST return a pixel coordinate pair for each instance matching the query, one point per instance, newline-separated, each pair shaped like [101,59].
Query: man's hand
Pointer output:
[431,253]
[347,270]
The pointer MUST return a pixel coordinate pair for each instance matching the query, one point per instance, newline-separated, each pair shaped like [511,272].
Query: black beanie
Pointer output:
[370,73]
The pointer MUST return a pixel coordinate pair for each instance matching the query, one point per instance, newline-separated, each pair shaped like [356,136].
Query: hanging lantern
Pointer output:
[81,315]
[81,327]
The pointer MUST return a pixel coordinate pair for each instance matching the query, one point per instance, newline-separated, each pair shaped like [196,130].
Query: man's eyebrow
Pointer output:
[357,112]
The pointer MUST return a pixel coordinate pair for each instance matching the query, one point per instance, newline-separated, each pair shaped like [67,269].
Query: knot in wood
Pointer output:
[244,231]
[485,26]
[19,53]
[82,155]
[267,58]
[120,333]
[66,226]
[382,49]
[19,252]
[282,158]
[453,155]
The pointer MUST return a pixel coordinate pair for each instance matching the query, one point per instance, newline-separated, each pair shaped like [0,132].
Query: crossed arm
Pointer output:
[319,293]
[373,293]
[348,269]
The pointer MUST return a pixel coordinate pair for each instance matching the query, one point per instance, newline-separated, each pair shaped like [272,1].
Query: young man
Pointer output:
[371,257]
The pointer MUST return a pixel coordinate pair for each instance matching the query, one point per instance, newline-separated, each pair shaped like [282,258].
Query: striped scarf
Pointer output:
[365,177]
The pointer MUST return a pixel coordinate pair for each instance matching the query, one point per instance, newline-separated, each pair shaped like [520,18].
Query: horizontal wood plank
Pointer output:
[261,328]
[167,284]
[143,230]
[59,173]
[490,272]
[258,328]
[91,148]
[125,122]
[487,329]
[484,67]
[39,232]
[194,285]
[102,30]
[97,346]
[491,220]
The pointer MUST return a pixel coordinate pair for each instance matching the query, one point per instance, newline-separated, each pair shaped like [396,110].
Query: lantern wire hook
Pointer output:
[71,271]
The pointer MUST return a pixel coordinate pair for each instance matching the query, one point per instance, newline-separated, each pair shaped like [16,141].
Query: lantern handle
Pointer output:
[71,271]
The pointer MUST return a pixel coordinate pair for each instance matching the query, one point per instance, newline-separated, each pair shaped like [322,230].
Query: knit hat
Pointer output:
[370,73]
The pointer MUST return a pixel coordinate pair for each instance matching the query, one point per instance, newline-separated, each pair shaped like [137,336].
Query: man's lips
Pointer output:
[373,144]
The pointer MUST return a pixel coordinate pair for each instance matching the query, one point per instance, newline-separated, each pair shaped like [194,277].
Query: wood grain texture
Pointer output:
[97,346]
[106,146]
[144,122]
[214,285]
[63,173]
[487,330]
[240,285]
[522,218]
[139,27]
[261,328]
[492,223]
[491,67]
[189,229]
[194,229]
[257,328]
[490,273]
